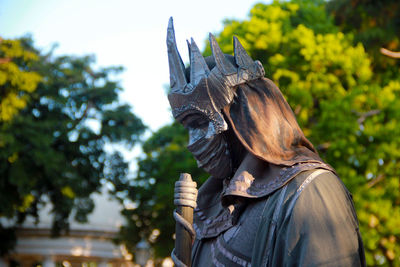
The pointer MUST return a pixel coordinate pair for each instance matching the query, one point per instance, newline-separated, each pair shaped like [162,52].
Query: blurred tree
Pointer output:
[165,157]
[350,115]
[53,150]
[375,24]
[16,79]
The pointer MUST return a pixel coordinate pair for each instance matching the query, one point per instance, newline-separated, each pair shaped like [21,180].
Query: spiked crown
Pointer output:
[207,91]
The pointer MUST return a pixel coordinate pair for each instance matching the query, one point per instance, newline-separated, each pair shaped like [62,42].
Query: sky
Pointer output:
[130,33]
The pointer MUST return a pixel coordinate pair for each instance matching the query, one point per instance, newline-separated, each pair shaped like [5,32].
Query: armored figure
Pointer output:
[270,199]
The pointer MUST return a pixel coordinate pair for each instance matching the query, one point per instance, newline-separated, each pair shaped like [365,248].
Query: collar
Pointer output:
[260,180]
[220,202]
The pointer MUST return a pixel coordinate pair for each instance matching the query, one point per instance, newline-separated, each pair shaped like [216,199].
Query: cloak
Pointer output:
[265,125]
[298,214]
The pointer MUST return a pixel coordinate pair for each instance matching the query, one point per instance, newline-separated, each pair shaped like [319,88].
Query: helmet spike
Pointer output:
[176,66]
[222,63]
[189,48]
[208,91]
[242,59]
[198,66]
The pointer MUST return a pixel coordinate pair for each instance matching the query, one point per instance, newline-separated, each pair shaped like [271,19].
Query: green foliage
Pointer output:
[345,107]
[165,158]
[16,80]
[53,150]
[342,108]
[375,24]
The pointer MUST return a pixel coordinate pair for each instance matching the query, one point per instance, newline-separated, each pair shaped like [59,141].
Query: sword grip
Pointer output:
[185,201]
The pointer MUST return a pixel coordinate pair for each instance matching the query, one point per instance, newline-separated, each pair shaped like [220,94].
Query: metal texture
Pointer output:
[233,93]
[260,117]
[211,152]
[185,200]
[265,125]
[208,91]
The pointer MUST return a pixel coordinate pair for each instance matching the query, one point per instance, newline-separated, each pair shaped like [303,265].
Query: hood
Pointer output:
[264,123]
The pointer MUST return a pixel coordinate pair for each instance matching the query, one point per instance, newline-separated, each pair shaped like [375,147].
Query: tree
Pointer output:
[165,157]
[349,114]
[53,150]
[342,108]
[16,81]
[375,24]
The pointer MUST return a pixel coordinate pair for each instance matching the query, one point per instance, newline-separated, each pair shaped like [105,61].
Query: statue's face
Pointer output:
[209,148]
[199,127]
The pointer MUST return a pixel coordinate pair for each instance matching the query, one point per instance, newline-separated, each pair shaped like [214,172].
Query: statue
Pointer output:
[270,200]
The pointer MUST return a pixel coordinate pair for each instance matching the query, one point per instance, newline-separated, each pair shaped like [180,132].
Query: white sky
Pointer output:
[130,33]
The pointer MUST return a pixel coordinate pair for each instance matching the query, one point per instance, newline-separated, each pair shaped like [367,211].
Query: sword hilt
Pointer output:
[185,197]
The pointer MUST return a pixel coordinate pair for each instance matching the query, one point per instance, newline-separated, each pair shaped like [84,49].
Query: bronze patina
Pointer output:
[270,199]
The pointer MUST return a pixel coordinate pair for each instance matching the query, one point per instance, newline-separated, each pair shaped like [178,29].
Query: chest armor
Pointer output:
[228,236]
[225,235]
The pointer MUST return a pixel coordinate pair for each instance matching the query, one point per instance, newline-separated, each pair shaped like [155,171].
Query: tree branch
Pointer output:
[375,180]
[389,53]
[4,60]
[84,115]
[363,116]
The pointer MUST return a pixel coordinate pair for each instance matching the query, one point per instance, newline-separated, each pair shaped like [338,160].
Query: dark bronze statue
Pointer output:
[270,200]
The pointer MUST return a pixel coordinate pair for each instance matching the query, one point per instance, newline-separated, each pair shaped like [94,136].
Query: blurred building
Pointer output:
[86,245]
